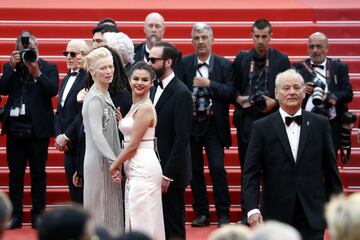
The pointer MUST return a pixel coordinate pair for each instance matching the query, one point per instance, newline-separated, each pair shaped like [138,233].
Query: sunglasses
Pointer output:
[153,60]
[72,54]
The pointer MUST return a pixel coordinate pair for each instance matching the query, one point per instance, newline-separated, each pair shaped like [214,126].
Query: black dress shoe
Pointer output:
[15,222]
[201,221]
[223,220]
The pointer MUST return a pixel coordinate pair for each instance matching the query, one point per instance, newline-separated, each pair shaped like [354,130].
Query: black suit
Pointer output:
[338,85]
[214,136]
[291,188]
[39,119]
[174,116]
[67,121]
[140,52]
[278,62]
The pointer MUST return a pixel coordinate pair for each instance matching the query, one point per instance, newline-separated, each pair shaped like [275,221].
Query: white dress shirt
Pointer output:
[160,90]
[68,86]
[204,70]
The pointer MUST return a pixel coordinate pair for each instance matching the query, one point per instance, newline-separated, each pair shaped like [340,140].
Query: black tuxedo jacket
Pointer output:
[339,84]
[68,117]
[39,100]
[313,177]
[174,117]
[139,52]
[221,89]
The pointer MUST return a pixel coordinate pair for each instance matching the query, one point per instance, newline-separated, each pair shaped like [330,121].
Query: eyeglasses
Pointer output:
[153,60]
[72,54]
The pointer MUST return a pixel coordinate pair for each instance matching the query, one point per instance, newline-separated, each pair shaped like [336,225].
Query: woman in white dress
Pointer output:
[143,205]
[102,195]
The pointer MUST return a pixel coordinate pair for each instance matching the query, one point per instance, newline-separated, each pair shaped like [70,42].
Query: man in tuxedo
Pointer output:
[173,104]
[154,29]
[98,38]
[291,153]
[334,77]
[205,72]
[30,82]
[67,117]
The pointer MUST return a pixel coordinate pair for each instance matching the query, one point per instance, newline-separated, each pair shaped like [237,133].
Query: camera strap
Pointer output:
[313,72]
[264,70]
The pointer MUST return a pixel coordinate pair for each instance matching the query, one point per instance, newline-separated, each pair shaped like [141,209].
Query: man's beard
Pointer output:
[152,39]
[160,72]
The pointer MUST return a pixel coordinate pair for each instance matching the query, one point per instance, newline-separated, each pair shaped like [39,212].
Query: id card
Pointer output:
[22,110]
[14,112]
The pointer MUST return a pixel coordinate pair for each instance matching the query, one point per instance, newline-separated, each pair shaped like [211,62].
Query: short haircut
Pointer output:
[169,52]
[122,44]
[261,24]
[143,66]
[286,74]
[106,21]
[231,232]
[273,230]
[343,217]
[5,210]
[200,26]
[63,223]
[105,28]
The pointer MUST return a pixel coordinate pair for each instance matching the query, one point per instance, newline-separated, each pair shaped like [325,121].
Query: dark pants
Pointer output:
[19,152]
[215,154]
[70,159]
[301,223]
[174,213]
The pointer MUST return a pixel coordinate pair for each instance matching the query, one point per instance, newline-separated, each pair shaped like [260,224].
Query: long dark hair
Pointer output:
[120,80]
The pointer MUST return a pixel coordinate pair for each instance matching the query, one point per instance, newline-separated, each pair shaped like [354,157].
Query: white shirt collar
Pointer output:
[285,114]
[207,60]
[167,80]
[323,63]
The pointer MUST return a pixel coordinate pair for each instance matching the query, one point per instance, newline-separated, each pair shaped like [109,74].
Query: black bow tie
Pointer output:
[158,83]
[297,119]
[73,74]
[202,64]
[318,66]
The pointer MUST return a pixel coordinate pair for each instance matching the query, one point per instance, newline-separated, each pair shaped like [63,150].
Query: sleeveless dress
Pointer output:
[102,197]
[143,204]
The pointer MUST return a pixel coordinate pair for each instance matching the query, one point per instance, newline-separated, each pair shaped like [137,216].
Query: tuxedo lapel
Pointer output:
[61,91]
[152,93]
[304,133]
[166,94]
[75,85]
[281,132]
[246,69]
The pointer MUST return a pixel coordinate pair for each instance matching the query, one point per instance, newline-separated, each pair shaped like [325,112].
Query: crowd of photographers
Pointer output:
[215,83]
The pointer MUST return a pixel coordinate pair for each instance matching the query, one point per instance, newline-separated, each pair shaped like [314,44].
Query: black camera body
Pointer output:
[319,91]
[202,102]
[257,100]
[27,54]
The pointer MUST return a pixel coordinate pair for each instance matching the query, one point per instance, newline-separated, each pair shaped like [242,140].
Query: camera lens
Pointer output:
[29,55]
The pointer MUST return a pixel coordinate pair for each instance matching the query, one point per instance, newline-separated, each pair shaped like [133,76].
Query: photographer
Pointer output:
[30,83]
[254,75]
[208,76]
[327,86]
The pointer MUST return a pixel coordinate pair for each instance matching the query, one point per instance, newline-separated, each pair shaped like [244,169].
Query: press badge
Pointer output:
[14,112]
[22,110]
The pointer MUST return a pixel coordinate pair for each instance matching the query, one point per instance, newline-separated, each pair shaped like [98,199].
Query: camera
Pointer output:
[27,54]
[348,119]
[257,100]
[202,103]
[319,92]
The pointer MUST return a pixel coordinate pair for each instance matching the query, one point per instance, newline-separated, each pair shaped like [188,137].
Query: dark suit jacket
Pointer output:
[221,89]
[174,115]
[39,100]
[278,62]
[313,177]
[339,84]
[68,117]
[139,52]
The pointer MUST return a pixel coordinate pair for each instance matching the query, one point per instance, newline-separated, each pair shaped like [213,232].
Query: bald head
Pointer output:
[318,47]
[154,28]
[81,48]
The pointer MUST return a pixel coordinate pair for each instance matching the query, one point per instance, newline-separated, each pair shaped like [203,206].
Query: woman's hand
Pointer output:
[115,173]
[118,114]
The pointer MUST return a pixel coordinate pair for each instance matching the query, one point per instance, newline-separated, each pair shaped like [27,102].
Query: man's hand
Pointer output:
[164,185]
[255,219]
[309,88]
[61,143]
[77,181]
[201,82]
[14,59]
[270,104]
[33,68]
[243,101]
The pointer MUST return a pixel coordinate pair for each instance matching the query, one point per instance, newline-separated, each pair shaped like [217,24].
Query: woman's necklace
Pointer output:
[136,105]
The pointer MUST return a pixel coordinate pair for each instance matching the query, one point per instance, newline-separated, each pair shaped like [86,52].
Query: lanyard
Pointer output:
[252,73]
[313,73]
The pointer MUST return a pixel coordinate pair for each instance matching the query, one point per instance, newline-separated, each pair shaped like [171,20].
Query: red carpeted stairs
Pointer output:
[293,21]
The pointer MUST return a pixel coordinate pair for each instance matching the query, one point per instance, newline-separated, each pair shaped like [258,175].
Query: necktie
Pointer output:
[297,119]
[73,74]
[318,66]
[202,64]
[158,83]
